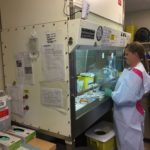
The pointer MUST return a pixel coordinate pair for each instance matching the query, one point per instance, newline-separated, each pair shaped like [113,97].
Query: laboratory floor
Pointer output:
[61,144]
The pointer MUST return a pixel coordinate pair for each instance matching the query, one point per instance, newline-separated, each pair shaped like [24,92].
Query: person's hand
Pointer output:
[108,92]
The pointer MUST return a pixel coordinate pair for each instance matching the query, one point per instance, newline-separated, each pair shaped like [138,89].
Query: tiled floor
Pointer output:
[147,146]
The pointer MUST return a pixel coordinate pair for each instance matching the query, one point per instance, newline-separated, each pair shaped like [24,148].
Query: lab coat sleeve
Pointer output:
[128,92]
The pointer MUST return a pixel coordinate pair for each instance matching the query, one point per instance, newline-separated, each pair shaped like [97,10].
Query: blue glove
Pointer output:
[108,92]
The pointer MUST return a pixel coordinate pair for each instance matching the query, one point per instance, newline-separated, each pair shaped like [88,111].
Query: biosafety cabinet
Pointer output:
[95,62]
[56,74]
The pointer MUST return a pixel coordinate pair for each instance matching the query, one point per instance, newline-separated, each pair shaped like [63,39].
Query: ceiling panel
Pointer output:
[136,5]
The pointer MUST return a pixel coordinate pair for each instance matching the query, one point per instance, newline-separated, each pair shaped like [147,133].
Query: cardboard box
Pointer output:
[25,134]
[42,144]
[9,142]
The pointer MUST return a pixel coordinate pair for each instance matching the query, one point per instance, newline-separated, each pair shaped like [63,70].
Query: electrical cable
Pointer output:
[65,2]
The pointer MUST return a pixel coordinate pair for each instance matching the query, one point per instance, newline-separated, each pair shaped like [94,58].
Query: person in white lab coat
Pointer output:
[128,110]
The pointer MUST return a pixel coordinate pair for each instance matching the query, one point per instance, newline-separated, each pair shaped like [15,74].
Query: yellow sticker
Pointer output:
[112,37]
[26,91]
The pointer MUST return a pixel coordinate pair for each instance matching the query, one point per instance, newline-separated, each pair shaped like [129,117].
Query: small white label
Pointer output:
[103,55]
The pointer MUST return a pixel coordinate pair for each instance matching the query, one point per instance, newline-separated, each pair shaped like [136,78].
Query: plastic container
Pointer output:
[5,113]
[101,136]
[87,81]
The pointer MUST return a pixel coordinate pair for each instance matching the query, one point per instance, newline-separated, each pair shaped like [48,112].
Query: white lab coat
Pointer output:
[128,111]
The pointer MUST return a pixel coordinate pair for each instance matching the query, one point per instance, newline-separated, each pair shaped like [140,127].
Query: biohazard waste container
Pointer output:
[101,136]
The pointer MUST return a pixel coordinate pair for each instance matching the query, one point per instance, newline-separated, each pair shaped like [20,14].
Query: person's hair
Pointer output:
[138,48]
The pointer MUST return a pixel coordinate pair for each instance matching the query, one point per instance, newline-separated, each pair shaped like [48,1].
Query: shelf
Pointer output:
[93,113]
[87,90]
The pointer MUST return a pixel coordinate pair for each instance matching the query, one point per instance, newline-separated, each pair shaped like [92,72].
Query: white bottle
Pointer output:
[85,9]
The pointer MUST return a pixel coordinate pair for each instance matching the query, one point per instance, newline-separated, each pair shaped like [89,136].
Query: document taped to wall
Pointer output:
[53,68]
[52,97]
[24,68]
[51,37]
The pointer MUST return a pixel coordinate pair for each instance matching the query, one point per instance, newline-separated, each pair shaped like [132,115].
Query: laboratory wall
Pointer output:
[110,9]
[1,64]
[1,72]
[140,19]
[22,21]
[28,12]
